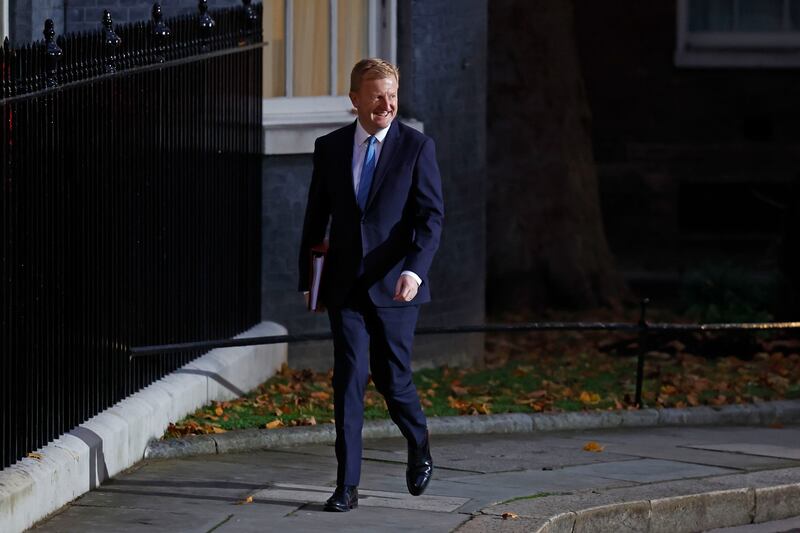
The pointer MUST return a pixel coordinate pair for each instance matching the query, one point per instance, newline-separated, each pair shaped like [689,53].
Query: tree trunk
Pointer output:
[547,245]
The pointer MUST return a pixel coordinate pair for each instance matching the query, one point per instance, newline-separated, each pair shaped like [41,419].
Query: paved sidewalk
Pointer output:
[531,477]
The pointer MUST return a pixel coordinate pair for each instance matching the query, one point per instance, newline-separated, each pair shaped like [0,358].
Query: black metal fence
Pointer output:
[130,209]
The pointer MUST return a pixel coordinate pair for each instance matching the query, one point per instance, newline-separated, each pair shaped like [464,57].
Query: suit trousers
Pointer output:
[379,339]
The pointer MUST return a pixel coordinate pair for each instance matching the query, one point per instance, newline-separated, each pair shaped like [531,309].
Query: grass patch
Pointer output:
[526,374]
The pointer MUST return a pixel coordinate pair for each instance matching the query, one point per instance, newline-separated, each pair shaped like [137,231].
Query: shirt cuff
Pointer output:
[412,276]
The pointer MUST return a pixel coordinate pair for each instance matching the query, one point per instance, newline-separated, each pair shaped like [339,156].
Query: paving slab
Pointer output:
[677,450]
[289,492]
[790,525]
[83,519]
[764,450]
[545,479]
[646,470]
[535,481]
[496,453]
[549,505]
[495,524]
[311,519]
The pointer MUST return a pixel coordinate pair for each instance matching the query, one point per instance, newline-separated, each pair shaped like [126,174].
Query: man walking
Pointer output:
[378,183]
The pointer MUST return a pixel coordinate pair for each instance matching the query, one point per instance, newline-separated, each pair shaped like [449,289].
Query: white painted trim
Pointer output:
[334,45]
[3,20]
[743,40]
[291,125]
[373,21]
[736,59]
[390,35]
[306,109]
[735,49]
[288,47]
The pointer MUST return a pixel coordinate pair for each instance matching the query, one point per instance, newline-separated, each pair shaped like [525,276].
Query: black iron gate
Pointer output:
[130,209]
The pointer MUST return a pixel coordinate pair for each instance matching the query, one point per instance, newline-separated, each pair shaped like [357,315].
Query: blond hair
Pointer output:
[373,68]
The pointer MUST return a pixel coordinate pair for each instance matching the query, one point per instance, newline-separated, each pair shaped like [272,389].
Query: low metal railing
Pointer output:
[643,328]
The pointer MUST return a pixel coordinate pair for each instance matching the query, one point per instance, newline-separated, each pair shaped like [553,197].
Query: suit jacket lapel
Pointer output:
[346,148]
[391,142]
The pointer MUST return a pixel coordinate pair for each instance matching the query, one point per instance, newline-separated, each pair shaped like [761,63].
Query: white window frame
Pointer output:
[734,49]
[3,20]
[291,123]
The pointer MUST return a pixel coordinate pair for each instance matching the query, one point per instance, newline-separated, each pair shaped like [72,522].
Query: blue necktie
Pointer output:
[367,171]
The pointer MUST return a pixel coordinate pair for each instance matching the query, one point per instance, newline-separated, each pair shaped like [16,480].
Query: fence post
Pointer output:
[53,52]
[160,32]
[642,349]
[110,41]
[251,19]
[206,24]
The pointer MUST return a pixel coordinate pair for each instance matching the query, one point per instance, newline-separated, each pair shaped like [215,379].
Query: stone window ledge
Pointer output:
[291,125]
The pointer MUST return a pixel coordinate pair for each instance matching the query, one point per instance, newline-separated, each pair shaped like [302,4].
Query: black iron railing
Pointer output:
[643,328]
[130,209]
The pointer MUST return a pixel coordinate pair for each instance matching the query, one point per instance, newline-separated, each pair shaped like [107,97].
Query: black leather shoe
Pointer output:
[420,468]
[344,498]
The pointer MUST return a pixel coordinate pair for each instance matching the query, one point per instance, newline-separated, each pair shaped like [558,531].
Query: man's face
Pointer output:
[376,103]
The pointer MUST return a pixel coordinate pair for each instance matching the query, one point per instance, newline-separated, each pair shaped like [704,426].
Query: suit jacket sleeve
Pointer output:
[427,211]
[318,210]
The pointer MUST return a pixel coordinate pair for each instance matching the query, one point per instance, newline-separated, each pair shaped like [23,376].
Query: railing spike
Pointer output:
[160,32]
[111,42]
[206,25]
[53,52]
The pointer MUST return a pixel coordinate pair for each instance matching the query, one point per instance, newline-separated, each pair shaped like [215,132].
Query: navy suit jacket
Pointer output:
[399,229]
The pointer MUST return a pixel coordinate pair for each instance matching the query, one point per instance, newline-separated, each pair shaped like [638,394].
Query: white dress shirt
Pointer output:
[359,152]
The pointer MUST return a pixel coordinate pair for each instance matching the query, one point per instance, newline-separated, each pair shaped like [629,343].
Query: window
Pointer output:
[313,44]
[738,33]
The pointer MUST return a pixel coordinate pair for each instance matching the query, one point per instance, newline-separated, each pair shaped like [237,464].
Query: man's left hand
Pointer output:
[406,289]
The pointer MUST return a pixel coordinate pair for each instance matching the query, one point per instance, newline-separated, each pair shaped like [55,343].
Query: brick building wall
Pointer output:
[85,15]
[27,16]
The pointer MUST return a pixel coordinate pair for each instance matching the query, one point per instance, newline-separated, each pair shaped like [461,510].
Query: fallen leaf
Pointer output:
[593,446]
[510,516]
[218,411]
[668,390]
[34,455]
[320,395]
[247,500]
[458,391]
[589,397]
[274,424]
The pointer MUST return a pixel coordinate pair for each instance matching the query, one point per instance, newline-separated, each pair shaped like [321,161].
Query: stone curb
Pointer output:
[682,514]
[116,438]
[785,411]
